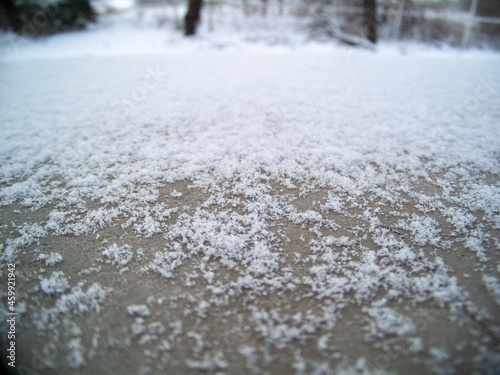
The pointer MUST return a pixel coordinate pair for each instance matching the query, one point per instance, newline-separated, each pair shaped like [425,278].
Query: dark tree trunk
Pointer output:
[8,16]
[370,20]
[192,17]
[264,7]
[281,7]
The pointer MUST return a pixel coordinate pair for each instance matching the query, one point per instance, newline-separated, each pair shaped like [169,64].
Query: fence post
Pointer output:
[469,23]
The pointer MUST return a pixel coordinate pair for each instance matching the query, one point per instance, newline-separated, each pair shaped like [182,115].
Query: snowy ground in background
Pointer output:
[158,30]
[302,208]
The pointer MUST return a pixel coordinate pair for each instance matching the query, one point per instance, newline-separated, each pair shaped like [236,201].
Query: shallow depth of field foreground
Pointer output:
[252,210]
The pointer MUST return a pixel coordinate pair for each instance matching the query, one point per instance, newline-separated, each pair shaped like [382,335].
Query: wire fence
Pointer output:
[468,19]
[450,21]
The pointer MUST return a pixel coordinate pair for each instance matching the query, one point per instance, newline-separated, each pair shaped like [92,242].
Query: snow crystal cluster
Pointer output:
[118,255]
[57,283]
[50,259]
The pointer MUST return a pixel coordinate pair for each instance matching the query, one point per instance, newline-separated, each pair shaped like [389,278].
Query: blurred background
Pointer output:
[456,23]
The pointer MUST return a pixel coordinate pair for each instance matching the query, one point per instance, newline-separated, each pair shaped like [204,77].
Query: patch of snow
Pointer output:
[138,310]
[56,284]
[118,255]
[50,259]
[493,286]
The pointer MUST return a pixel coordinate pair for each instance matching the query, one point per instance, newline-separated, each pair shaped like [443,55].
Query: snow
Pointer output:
[386,321]
[57,283]
[493,286]
[78,301]
[284,185]
[424,229]
[148,333]
[138,310]
[118,255]
[50,259]
[75,356]
[209,362]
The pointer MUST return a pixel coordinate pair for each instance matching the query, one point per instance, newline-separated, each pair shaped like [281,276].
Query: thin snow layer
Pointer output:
[337,178]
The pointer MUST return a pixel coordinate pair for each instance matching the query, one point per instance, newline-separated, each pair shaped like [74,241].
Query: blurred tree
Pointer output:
[281,7]
[8,16]
[488,8]
[34,17]
[192,17]
[264,7]
[370,20]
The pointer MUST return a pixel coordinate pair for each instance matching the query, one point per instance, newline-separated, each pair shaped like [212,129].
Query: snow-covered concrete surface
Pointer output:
[304,209]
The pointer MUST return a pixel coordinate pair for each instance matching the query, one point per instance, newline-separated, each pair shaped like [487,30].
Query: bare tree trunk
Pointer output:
[246,9]
[370,20]
[192,17]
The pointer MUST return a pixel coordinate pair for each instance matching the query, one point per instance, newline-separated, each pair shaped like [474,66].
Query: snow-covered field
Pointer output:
[237,208]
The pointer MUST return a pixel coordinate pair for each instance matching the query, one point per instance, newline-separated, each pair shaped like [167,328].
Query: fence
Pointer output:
[467,19]
[396,10]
